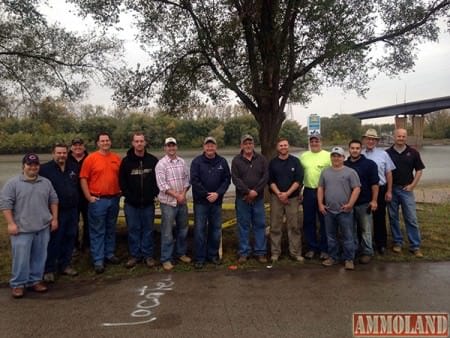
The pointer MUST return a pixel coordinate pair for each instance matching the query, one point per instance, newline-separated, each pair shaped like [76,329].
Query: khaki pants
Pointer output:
[278,211]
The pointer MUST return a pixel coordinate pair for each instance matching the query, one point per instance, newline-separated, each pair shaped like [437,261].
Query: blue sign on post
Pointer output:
[313,124]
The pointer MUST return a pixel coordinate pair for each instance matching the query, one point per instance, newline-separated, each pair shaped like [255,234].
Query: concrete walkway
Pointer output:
[308,301]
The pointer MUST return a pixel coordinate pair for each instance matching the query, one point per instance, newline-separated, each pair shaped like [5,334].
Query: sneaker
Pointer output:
[17,292]
[328,262]
[99,268]
[69,271]
[417,253]
[39,287]
[113,260]
[323,255]
[365,259]
[167,266]
[309,254]
[216,261]
[198,265]
[131,263]
[242,259]
[185,259]
[298,258]
[49,277]
[274,258]
[349,265]
[75,252]
[150,262]
[397,248]
[261,259]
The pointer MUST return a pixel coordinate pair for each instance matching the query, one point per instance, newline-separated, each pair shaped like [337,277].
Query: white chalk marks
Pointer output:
[144,307]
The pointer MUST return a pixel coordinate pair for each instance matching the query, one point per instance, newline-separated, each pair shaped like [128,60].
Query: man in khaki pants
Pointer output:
[285,177]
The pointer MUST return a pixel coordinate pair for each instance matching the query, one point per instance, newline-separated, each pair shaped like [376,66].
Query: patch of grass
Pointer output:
[433,220]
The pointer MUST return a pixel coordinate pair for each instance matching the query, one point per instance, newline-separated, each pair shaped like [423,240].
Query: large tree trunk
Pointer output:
[270,122]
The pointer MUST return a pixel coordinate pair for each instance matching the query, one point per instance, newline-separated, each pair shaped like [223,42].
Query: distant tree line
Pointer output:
[50,121]
[36,128]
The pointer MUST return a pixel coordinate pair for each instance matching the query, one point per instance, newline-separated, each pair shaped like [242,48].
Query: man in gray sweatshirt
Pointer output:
[30,206]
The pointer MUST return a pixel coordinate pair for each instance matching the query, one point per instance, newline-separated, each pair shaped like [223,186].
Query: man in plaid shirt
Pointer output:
[172,177]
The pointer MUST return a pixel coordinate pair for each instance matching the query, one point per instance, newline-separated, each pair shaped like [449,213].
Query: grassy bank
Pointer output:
[433,219]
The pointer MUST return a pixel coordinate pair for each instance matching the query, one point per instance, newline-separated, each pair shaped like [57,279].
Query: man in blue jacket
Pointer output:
[138,185]
[210,179]
[64,178]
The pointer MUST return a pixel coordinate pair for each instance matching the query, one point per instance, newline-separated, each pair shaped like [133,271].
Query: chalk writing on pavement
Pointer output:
[145,307]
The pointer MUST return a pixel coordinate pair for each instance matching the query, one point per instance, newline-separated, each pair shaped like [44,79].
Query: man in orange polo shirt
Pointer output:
[99,179]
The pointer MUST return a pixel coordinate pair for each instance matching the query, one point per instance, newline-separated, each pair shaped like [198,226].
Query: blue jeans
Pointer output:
[102,228]
[29,252]
[342,224]
[173,218]
[406,200]
[251,214]
[362,233]
[62,241]
[310,215]
[207,231]
[140,230]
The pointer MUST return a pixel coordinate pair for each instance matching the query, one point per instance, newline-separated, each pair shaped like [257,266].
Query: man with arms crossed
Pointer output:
[405,177]
[99,178]
[30,206]
[285,181]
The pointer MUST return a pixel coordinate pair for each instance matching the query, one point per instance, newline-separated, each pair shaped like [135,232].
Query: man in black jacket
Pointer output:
[138,184]
[210,179]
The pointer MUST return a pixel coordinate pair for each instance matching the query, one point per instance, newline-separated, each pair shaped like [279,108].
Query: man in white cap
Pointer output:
[385,167]
[172,177]
[338,190]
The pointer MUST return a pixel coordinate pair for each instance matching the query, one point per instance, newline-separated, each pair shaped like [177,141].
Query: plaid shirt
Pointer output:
[171,175]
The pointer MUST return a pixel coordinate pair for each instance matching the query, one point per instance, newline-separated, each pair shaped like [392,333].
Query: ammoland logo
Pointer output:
[397,324]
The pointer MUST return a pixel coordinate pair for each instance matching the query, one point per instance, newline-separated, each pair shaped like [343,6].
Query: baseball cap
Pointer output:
[210,139]
[314,135]
[338,150]
[30,158]
[372,133]
[77,141]
[170,140]
[246,137]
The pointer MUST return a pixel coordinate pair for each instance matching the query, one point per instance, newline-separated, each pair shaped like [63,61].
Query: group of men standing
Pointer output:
[42,205]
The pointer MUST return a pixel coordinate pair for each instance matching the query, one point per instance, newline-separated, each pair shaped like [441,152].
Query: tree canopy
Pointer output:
[37,57]
[268,53]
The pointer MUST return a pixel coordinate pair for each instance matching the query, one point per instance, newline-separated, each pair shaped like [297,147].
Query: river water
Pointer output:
[435,158]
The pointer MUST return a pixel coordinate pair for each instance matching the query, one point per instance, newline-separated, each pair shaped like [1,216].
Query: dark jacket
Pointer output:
[65,182]
[368,175]
[249,175]
[209,175]
[137,179]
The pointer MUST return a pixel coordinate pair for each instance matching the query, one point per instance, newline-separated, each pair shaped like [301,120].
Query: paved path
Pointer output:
[309,301]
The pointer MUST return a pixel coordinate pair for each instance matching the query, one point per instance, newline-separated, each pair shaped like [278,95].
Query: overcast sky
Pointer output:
[429,79]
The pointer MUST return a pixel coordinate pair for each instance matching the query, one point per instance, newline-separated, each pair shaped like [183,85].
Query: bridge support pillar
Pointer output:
[400,122]
[418,124]
[416,139]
